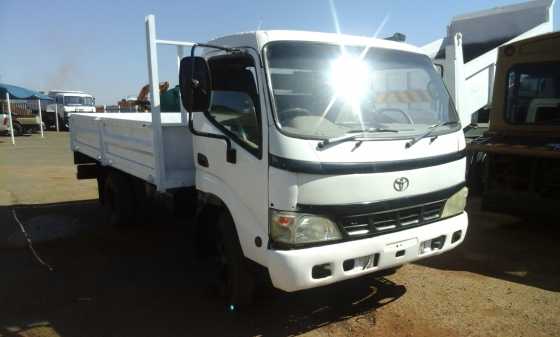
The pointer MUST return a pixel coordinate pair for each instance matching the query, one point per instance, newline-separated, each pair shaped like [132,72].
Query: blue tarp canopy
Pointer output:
[16,92]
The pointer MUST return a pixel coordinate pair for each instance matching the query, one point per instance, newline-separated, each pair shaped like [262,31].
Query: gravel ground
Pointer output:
[503,281]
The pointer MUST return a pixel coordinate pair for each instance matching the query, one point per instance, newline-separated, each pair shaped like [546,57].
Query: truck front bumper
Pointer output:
[292,270]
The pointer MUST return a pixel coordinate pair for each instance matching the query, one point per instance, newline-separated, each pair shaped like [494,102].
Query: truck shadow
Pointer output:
[501,246]
[139,282]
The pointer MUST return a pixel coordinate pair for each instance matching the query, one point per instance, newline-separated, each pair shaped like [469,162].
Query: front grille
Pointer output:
[392,220]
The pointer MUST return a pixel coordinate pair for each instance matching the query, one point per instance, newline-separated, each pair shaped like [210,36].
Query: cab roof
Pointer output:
[258,39]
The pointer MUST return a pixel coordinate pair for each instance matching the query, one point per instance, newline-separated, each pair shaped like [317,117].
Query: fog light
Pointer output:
[361,263]
[456,236]
[321,271]
[432,245]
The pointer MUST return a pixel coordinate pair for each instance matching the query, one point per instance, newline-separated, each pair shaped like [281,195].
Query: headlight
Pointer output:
[456,204]
[298,228]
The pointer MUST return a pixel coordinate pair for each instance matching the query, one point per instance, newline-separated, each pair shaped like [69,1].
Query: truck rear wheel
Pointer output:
[236,280]
[118,199]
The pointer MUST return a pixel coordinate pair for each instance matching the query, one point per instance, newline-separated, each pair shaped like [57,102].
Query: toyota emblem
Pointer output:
[400,184]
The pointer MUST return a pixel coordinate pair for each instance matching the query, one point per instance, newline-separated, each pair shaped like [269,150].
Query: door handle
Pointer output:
[202,160]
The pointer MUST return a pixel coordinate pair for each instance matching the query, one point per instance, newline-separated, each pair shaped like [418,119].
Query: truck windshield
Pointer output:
[533,94]
[78,100]
[323,90]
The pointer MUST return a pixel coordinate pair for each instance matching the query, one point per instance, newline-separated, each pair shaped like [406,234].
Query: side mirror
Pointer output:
[194,81]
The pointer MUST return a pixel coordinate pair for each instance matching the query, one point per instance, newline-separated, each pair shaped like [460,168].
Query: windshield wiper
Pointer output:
[428,132]
[373,130]
[352,135]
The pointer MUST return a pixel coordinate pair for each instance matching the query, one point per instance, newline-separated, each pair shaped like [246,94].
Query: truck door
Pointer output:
[236,112]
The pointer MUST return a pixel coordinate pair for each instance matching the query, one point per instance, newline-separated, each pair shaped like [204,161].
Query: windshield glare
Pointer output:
[78,100]
[323,90]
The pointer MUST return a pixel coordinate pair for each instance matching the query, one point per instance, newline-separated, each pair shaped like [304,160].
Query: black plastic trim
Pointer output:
[311,167]
[202,160]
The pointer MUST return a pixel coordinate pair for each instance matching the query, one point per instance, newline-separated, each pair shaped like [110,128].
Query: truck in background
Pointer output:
[66,103]
[466,57]
[516,163]
[296,162]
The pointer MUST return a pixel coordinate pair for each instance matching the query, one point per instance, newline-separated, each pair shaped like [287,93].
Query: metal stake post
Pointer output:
[40,118]
[56,116]
[180,55]
[157,143]
[10,118]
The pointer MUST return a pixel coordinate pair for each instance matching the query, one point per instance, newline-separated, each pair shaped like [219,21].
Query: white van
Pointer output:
[66,103]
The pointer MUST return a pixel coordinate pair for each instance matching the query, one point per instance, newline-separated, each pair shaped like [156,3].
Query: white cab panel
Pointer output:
[361,188]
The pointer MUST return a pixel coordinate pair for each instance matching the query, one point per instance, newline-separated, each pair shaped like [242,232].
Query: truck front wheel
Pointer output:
[235,278]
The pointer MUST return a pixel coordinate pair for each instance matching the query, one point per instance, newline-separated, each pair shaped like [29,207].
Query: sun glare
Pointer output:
[350,78]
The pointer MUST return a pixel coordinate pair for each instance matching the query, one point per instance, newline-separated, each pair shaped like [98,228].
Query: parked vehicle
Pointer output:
[295,160]
[24,119]
[466,57]
[66,103]
[4,123]
[517,162]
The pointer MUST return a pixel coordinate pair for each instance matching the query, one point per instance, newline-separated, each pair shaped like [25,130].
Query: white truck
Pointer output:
[66,103]
[315,157]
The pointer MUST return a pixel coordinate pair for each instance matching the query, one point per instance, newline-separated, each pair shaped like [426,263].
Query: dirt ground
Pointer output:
[503,281]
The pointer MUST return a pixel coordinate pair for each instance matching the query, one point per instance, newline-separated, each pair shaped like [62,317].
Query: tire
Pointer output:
[236,281]
[143,206]
[61,124]
[118,199]
[18,129]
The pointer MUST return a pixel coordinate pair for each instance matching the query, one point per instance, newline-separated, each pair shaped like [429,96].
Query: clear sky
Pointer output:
[99,45]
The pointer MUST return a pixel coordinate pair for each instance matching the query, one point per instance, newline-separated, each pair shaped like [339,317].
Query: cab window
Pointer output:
[234,103]
[533,94]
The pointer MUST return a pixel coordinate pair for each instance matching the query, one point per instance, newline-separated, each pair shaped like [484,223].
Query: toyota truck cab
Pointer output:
[350,157]
[318,157]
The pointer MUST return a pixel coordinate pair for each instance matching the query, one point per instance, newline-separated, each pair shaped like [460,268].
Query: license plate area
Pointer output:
[399,252]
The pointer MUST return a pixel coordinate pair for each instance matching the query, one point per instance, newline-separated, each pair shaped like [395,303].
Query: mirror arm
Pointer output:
[230,50]
[231,154]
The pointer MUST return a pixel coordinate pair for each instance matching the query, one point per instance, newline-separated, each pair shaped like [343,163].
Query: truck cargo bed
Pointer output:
[125,141]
